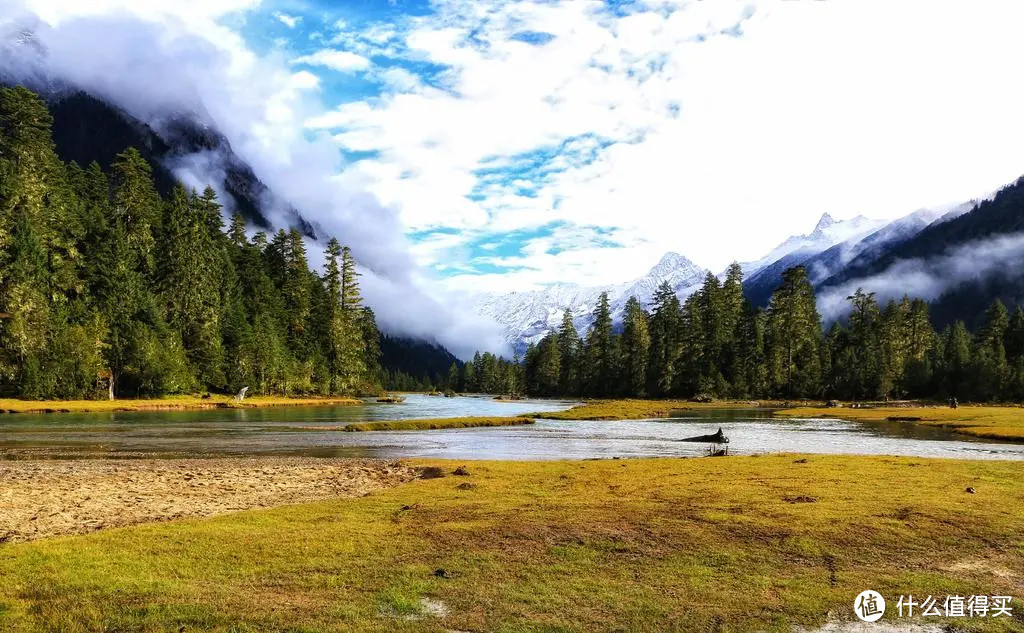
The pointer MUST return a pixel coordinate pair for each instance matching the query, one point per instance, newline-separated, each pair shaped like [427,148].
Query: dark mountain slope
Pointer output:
[1003,214]
[976,256]
[419,359]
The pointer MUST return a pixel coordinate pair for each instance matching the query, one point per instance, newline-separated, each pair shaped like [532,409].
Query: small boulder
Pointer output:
[461,471]
[431,472]
[970,490]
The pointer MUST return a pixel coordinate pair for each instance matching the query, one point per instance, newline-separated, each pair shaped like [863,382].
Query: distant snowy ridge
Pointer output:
[526,317]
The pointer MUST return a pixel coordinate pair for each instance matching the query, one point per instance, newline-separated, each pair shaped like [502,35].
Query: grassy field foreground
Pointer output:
[996,423]
[733,544]
[173,403]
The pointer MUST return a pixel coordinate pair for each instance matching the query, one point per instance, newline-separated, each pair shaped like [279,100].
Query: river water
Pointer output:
[293,431]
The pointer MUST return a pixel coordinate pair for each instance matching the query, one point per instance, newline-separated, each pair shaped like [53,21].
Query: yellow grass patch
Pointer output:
[995,422]
[428,424]
[632,409]
[10,405]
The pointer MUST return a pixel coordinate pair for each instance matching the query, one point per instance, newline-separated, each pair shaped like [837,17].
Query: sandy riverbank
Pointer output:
[41,498]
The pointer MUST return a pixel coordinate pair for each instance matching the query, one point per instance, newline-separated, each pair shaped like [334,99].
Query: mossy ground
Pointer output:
[730,544]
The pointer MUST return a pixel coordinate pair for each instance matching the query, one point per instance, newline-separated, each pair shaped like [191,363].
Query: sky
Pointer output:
[466,146]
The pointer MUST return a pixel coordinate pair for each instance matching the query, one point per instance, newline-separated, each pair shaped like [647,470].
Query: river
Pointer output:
[292,431]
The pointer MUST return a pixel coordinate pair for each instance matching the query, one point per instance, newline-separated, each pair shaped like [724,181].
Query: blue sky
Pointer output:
[372,53]
[529,142]
[500,145]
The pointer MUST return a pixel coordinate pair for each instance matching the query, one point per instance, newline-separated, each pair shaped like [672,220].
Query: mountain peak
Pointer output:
[826,221]
[672,264]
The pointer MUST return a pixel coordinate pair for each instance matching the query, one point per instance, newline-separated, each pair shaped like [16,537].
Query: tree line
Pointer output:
[715,344]
[109,289]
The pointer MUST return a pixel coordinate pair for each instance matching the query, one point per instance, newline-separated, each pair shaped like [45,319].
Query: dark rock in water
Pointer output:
[714,438]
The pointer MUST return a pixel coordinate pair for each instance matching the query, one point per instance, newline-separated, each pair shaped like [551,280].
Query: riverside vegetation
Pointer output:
[739,544]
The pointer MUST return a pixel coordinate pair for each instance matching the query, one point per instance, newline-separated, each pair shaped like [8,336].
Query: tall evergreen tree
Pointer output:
[569,351]
[636,344]
[794,337]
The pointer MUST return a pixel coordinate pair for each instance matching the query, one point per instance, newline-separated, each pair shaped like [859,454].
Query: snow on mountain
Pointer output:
[827,233]
[526,317]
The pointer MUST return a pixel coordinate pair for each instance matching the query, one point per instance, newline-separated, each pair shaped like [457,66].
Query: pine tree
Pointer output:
[991,367]
[636,344]
[665,346]
[865,359]
[190,287]
[569,351]
[600,371]
[794,337]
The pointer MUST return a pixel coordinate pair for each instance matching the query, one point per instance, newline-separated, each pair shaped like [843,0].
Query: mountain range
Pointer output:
[839,256]
[526,317]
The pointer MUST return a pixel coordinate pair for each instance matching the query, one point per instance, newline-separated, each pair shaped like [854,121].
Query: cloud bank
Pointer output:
[928,278]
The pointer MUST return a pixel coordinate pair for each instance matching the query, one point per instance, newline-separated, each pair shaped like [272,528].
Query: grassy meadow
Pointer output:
[431,424]
[636,409]
[733,544]
[172,403]
[990,422]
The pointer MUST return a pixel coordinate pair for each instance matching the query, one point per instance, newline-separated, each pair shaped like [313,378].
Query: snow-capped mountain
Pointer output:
[827,233]
[761,277]
[834,245]
[526,317]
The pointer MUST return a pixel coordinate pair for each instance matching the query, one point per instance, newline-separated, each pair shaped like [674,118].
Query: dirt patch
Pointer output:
[41,498]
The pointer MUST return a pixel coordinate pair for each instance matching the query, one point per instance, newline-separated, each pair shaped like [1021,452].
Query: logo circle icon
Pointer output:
[869,606]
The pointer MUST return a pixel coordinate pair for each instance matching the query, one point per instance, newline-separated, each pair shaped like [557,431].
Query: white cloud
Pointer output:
[291,21]
[730,128]
[341,61]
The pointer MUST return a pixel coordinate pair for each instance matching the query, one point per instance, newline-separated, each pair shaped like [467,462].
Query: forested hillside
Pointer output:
[977,254]
[715,344]
[107,287]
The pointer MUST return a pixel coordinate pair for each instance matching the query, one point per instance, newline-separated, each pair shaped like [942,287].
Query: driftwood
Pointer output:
[241,394]
[714,438]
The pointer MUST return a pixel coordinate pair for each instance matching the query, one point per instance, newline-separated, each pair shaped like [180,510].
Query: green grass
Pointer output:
[171,403]
[430,424]
[732,544]
[992,422]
